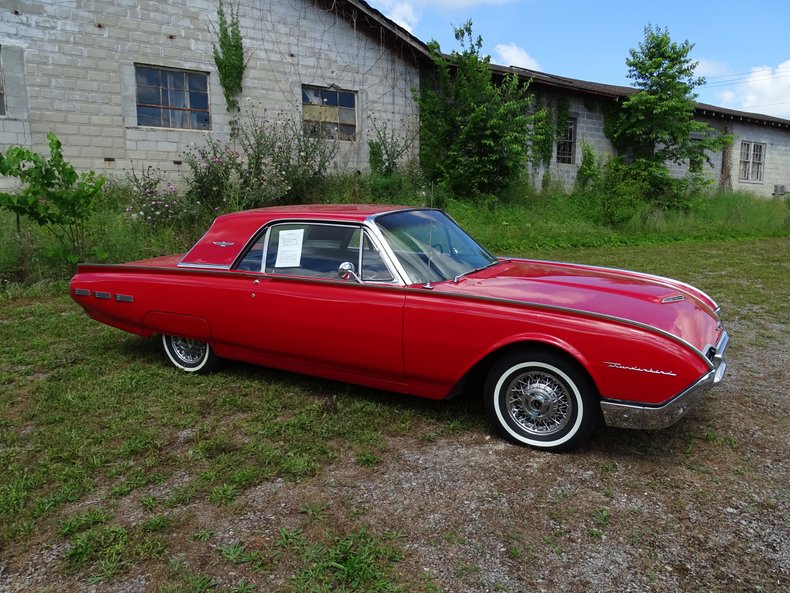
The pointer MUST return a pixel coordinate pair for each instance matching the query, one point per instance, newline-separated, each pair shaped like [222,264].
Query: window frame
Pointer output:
[329,118]
[566,145]
[751,169]
[194,88]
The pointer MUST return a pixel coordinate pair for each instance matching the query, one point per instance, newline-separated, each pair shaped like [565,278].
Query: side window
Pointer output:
[368,261]
[252,261]
[315,250]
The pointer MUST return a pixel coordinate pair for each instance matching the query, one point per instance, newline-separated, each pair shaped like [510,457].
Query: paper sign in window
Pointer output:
[289,250]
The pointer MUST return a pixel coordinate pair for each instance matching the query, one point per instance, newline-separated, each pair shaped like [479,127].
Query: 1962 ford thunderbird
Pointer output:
[403,299]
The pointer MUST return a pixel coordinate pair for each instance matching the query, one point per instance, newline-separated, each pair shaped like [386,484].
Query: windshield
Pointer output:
[430,246]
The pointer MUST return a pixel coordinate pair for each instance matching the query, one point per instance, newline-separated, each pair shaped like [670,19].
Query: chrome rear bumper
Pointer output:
[628,415]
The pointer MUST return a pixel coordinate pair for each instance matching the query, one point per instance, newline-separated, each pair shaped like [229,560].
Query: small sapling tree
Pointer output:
[52,194]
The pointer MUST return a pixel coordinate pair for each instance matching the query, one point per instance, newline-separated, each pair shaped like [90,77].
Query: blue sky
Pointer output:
[743,47]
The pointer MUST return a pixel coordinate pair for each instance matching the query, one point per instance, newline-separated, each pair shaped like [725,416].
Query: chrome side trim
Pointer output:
[627,415]
[100,294]
[204,266]
[82,292]
[124,298]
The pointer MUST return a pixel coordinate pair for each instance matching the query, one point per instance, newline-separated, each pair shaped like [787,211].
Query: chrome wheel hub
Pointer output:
[538,403]
[189,351]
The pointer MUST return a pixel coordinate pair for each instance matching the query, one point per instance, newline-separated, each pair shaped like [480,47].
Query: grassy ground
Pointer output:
[117,471]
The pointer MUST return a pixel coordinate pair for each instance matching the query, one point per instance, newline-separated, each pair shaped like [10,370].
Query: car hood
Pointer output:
[667,305]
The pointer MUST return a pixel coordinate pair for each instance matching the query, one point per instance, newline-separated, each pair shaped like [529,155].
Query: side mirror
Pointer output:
[346,271]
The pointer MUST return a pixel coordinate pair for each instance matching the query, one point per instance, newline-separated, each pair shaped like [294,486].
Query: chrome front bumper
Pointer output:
[627,415]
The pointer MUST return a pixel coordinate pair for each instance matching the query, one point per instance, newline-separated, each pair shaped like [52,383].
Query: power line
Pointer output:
[734,79]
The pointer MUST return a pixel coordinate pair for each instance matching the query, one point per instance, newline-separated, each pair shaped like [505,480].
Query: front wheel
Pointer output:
[542,400]
[190,355]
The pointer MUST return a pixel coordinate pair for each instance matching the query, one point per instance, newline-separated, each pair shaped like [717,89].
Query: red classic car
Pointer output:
[403,299]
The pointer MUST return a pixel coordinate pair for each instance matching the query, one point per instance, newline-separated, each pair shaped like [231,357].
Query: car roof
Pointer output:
[229,233]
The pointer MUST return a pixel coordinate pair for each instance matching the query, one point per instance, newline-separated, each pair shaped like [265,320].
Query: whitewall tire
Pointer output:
[541,399]
[192,356]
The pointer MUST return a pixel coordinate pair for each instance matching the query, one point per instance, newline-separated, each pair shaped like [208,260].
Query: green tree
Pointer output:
[473,133]
[656,125]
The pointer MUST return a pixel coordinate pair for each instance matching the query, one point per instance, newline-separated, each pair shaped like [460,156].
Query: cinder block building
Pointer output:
[133,83]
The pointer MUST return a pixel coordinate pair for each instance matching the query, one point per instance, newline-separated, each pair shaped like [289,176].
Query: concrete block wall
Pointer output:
[777,158]
[589,129]
[75,62]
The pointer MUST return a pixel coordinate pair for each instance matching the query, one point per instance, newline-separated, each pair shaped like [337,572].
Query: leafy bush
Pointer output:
[213,179]
[52,195]
[154,200]
[303,160]
[619,192]
[389,147]
[588,174]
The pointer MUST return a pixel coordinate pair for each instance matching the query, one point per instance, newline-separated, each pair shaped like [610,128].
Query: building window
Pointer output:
[566,145]
[172,98]
[329,113]
[752,161]
[2,88]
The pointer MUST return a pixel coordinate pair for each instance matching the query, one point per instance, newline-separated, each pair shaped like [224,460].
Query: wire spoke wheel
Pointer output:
[539,403]
[189,351]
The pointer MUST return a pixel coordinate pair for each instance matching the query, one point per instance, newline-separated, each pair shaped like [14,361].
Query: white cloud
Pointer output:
[401,12]
[707,68]
[510,54]
[767,90]
[764,90]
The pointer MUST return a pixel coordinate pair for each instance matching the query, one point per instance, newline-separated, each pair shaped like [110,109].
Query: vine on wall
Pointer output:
[549,127]
[229,54]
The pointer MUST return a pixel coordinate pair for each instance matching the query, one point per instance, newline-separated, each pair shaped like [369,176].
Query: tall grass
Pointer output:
[524,223]
[562,221]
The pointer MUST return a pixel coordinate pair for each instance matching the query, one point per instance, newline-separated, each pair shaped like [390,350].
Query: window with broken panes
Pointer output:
[329,113]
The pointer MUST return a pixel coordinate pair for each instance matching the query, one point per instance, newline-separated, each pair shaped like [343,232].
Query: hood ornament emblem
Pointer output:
[224,243]
[673,299]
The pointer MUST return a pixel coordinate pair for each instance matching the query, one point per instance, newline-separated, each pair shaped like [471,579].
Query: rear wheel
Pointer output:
[190,355]
[542,400]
